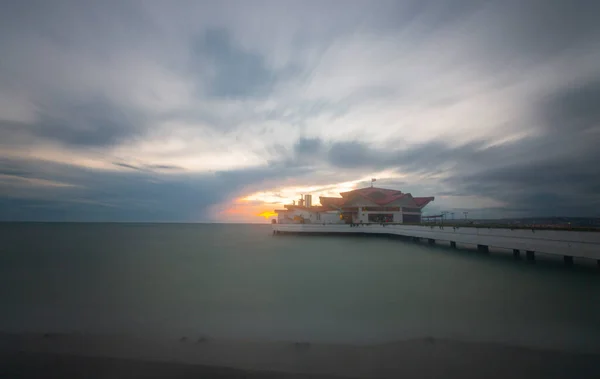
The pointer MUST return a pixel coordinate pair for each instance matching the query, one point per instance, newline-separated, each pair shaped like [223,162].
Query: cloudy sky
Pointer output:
[184,111]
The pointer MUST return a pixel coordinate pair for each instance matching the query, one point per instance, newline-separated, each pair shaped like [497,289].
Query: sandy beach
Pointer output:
[87,356]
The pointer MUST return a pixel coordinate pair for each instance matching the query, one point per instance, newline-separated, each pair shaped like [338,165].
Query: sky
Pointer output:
[217,111]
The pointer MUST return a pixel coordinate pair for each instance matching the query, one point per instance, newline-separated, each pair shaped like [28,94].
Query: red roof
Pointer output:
[313,208]
[422,201]
[379,196]
[336,201]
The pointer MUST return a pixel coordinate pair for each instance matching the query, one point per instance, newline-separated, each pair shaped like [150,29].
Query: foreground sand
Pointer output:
[86,356]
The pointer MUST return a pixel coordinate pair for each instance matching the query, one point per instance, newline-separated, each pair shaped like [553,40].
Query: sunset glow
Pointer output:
[268,214]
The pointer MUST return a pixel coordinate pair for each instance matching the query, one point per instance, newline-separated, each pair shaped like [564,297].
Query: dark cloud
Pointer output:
[237,72]
[540,28]
[94,28]
[574,109]
[148,167]
[8,167]
[14,133]
[164,167]
[579,176]
[92,123]
[355,154]
[80,124]
[308,146]
[416,158]
[136,195]
[503,37]
[556,173]
[568,187]
[307,151]
[126,165]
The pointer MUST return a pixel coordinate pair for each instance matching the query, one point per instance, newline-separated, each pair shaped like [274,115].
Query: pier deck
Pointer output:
[568,243]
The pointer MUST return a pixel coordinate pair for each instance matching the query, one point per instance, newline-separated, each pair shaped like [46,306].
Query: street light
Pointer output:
[465,213]
[444,213]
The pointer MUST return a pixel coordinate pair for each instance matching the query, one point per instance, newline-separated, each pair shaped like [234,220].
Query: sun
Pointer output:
[268,214]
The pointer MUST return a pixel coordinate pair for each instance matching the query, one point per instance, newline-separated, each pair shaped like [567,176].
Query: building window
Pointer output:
[381,217]
[381,209]
[411,219]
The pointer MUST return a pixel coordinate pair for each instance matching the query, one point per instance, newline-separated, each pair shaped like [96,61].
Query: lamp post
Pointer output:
[444,213]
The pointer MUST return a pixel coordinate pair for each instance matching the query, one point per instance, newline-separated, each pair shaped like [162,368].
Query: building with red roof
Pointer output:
[363,205]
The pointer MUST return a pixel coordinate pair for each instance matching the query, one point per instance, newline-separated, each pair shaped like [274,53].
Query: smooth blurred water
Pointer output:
[241,282]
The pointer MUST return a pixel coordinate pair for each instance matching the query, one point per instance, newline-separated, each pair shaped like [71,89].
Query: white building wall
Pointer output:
[334,218]
[329,218]
[360,216]
[288,217]
[281,218]
[310,217]
[397,216]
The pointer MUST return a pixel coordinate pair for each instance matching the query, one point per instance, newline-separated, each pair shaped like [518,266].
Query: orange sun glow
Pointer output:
[268,214]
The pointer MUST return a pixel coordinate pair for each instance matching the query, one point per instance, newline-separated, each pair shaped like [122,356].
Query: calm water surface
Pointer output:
[239,281]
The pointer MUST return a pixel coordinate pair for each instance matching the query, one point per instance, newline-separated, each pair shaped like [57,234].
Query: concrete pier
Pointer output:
[483,249]
[453,244]
[530,255]
[568,260]
[572,243]
[431,241]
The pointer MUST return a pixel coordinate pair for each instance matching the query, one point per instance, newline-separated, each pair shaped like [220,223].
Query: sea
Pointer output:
[237,281]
